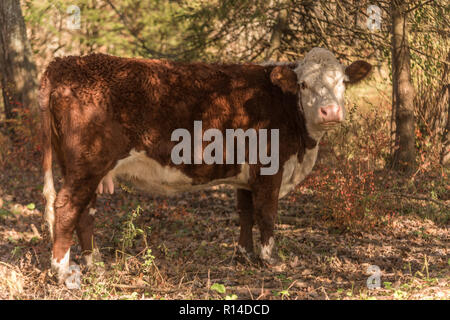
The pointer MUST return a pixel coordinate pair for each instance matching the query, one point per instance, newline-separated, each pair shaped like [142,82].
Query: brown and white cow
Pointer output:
[107,117]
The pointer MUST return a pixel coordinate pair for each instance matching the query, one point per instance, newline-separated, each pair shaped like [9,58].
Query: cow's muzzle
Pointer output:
[331,115]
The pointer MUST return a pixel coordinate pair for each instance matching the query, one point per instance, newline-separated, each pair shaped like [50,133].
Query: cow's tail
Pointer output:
[46,119]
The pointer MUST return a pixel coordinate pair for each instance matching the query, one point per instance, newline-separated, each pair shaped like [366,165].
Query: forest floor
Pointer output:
[184,247]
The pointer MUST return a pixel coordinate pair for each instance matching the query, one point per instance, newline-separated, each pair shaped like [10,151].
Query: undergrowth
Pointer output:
[356,188]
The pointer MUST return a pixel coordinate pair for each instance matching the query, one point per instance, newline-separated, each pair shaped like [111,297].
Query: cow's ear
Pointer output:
[285,78]
[357,71]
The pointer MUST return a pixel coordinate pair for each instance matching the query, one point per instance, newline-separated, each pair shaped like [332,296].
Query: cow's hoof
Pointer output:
[73,280]
[93,259]
[246,258]
[273,264]
[267,261]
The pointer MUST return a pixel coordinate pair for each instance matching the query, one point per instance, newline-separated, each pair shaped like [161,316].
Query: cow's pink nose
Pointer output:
[331,113]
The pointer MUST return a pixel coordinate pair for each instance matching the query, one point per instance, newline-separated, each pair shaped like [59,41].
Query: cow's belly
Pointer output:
[148,175]
[294,171]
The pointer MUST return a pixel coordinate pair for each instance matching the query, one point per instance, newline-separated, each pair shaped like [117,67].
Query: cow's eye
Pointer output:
[303,85]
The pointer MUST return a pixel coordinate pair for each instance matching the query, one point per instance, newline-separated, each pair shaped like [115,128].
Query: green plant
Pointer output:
[218,287]
[149,260]
[283,293]
[129,230]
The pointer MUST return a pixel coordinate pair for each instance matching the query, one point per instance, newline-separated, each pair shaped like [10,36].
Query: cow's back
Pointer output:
[136,104]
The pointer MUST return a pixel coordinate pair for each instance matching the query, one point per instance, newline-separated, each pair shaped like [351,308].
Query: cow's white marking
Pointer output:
[266,250]
[148,175]
[92,211]
[294,171]
[324,78]
[50,196]
[61,268]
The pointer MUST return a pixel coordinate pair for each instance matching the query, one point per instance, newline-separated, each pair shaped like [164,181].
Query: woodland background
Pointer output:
[378,196]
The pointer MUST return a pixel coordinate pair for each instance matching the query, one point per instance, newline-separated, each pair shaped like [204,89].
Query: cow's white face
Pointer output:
[319,81]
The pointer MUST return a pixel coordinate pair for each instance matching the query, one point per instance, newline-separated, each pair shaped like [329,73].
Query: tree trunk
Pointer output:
[277,33]
[444,98]
[404,153]
[445,151]
[17,69]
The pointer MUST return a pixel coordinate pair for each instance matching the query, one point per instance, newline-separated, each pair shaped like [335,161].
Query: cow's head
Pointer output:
[319,80]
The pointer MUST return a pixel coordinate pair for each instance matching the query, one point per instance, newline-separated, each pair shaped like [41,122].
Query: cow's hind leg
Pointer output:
[85,233]
[71,201]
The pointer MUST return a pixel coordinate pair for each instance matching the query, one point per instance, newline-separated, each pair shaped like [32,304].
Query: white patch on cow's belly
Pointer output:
[294,172]
[148,175]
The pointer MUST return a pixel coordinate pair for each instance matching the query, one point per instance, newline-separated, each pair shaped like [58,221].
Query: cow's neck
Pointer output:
[308,138]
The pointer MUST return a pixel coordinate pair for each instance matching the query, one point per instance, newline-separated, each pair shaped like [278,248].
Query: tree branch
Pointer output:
[152,52]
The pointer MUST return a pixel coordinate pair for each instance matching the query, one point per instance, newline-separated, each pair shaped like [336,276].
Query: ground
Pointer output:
[184,247]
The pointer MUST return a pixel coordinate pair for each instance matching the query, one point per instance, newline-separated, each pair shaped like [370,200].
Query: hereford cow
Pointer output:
[108,117]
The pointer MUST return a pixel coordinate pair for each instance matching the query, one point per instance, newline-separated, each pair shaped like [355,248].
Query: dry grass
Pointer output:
[350,214]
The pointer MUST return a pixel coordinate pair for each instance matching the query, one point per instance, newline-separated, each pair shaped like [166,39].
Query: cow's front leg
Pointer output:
[85,233]
[245,209]
[70,203]
[265,204]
